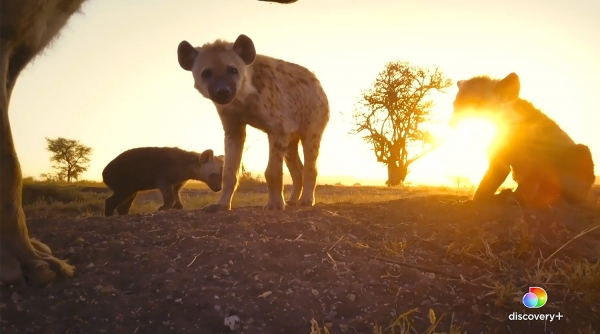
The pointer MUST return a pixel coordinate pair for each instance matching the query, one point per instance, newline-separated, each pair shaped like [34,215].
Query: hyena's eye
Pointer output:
[232,70]
[206,74]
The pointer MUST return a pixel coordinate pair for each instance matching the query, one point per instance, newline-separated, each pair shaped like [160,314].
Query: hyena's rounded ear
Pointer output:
[508,89]
[206,156]
[460,83]
[186,55]
[244,47]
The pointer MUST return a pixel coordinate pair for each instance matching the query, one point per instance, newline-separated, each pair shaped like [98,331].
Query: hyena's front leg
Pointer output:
[176,189]
[494,177]
[274,173]
[234,146]
[311,148]
[294,164]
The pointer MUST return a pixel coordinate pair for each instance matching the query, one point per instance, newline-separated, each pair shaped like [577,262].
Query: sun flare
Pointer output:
[462,153]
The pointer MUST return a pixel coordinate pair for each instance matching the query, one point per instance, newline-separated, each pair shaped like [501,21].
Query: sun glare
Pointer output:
[466,146]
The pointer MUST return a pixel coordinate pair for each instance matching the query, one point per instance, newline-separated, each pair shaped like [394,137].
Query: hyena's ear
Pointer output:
[244,47]
[459,83]
[186,55]
[206,156]
[508,88]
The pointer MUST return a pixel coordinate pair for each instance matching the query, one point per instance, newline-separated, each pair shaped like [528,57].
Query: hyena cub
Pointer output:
[163,168]
[282,99]
[546,164]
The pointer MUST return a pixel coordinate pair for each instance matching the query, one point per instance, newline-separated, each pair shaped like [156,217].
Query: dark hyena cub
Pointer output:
[284,100]
[163,168]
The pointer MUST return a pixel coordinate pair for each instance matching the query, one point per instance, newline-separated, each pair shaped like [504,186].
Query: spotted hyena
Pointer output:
[284,100]
[27,27]
[164,168]
[546,163]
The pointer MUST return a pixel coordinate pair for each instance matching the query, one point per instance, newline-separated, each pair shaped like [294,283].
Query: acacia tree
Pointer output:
[392,113]
[71,157]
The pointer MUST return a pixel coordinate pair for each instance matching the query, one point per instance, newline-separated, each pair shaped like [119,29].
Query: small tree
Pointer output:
[71,157]
[392,114]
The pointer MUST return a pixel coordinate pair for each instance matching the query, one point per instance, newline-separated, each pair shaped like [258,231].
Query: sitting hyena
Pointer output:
[546,164]
[284,100]
[164,168]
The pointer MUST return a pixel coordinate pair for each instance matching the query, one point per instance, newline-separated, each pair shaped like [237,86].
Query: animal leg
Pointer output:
[166,190]
[235,136]
[311,146]
[20,260]
[124,208]
[294,164]
[492,180]
[274,173]
[114,201]
[176,188]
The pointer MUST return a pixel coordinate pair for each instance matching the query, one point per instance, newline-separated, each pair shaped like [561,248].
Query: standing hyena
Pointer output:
[284,100]
[546,164]
[26,28]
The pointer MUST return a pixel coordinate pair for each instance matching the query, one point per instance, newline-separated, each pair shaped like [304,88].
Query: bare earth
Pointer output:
[186,271]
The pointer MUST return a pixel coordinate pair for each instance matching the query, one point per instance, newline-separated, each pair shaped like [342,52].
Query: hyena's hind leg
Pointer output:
[124,208]
[294,164]
[311,145]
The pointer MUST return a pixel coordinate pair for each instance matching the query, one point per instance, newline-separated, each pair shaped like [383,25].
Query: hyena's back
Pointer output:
[292,89]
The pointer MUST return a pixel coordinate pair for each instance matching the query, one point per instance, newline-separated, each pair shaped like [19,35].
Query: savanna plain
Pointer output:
[409,259]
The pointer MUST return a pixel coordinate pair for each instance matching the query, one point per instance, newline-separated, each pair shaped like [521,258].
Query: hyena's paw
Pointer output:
[291,202]
[277,204]
[306,201]
[215,207]
[178,206]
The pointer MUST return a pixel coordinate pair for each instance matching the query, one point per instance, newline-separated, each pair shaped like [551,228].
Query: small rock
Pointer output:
[90,265]
[170,270]
[15,297]
[351,297]
[217,308]
[108,288]
[225,272]
[233,322]
[98,288]
[178,301]
[315,292]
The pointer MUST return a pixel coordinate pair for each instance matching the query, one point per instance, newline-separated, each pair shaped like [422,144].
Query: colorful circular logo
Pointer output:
[535,298]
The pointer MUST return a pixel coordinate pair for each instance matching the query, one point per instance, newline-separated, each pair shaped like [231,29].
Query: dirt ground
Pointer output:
[275,272]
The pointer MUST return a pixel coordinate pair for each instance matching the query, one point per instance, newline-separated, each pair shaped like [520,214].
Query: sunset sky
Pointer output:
[113,82]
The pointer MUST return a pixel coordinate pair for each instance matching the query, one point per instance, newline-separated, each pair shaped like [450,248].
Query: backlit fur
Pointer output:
[284,100]
[546,163]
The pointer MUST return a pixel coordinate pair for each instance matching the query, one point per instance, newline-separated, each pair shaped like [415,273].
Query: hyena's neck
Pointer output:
[528,118]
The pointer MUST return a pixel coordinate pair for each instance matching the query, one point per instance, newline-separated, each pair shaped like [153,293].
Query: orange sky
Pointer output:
[112,80]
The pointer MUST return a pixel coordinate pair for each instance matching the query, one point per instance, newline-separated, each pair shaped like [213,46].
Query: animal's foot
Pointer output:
[291,202]
[274,205]
[215,207]
[178,206]
[306,201]
[30,264]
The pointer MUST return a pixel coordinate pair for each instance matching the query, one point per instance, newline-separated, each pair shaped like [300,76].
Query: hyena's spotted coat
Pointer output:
[282,99]
[546,163]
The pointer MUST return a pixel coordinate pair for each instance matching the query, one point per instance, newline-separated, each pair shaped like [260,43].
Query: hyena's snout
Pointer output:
[222,90]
